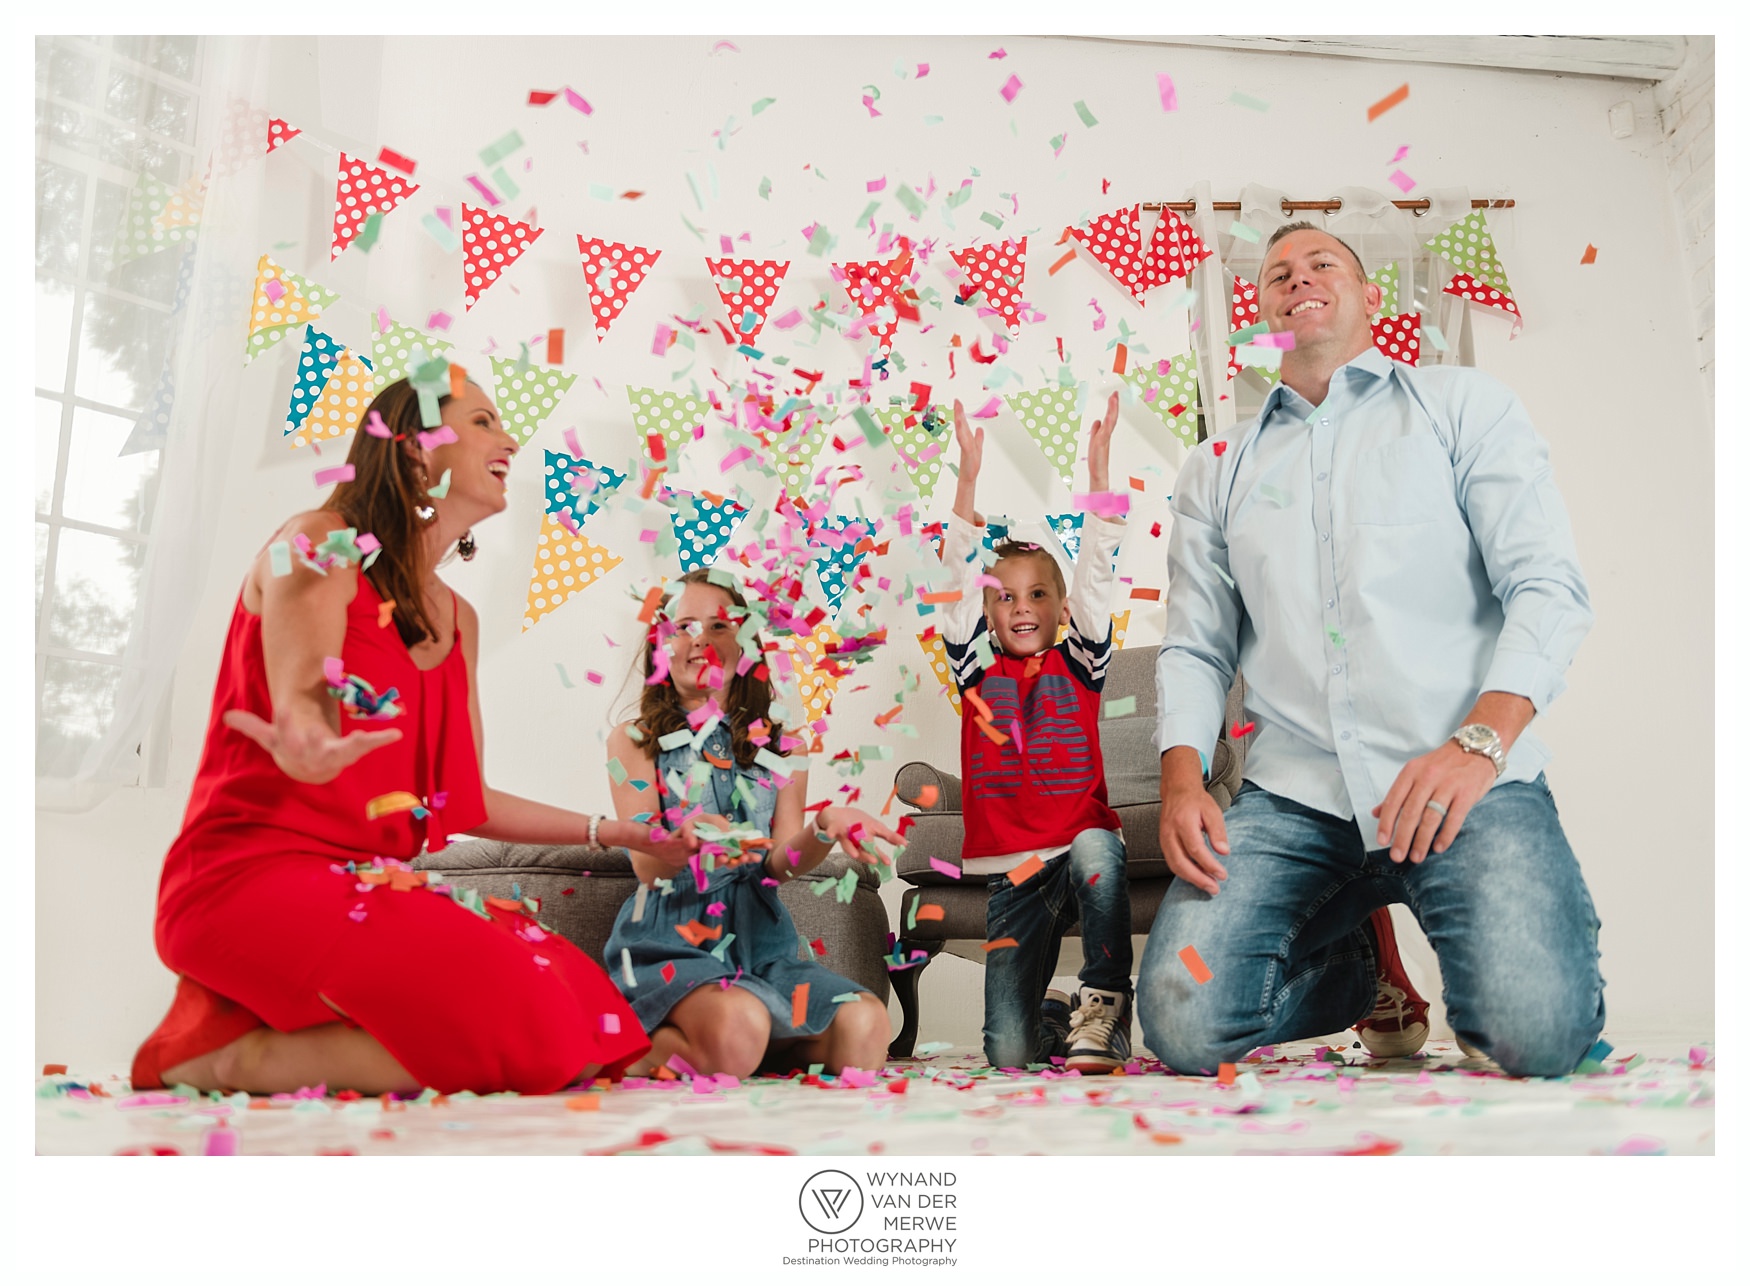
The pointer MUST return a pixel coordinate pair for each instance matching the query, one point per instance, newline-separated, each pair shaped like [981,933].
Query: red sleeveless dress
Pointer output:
[256,904]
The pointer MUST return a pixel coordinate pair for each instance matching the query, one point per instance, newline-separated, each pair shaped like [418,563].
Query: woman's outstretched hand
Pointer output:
[672,850]
[852,828]
[308,750]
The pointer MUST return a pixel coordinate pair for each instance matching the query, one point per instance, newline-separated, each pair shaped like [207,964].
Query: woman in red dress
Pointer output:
[307,951]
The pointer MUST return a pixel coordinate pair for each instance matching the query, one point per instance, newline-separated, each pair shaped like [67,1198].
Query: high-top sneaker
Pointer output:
[1099,1032]
[1398,1025]
[1054,1013]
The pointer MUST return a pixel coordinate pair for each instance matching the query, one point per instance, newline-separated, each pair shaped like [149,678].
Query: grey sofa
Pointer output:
[581,890]
[1133,778]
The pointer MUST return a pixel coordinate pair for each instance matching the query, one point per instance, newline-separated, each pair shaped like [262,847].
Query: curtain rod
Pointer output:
[1329,207]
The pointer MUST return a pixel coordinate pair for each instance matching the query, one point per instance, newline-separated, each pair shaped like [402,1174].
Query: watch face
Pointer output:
[1475,738]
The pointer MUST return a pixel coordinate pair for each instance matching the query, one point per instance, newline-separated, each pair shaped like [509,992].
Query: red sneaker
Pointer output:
[200,1021]
[1398,1025]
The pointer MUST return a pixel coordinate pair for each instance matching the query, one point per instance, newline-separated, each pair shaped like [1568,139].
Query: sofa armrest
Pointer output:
[916,775]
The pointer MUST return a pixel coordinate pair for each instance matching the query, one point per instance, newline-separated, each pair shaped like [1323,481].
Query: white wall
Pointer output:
[1606,365]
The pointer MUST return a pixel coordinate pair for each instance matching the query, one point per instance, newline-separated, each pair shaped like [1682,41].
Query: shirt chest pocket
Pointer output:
[1406,482]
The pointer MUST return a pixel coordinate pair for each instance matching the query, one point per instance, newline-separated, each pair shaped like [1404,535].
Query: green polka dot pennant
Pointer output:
[141,233]
[527,397]
[1170,394]
[794,455]
[283,302]
[392,351]
[671,416]
[921,450]
[1387,281]
[1468,246]
[1049,416]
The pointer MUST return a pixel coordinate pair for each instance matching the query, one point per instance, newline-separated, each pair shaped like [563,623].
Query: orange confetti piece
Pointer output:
[927,796]
[1052,271]
[1153,595]
[1591,255]
[458,380]
[652,601]
[978,704]
[989,729]
[1119,362]
[799,1005]
[1034,664]
[930,911]
[696,933]
[943,596]
[584,1103]
[556,346]
[54,1069]
[651,478]
[1194,965]
[1390,101]
[385,610]
[1136,484]
[396,801]
[999,944]
[891,796]
[882,720]
[1226,1073]
[716,762]
[1025,871]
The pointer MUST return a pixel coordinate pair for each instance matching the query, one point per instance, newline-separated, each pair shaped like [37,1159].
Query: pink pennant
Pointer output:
[1173,251]
[613,271]
[279,132]
[757,289]
[997,270]
[1244,313]
[1478,292]
[874,284]
[1399,337]
[1116,241]
[490,244]
[363,190]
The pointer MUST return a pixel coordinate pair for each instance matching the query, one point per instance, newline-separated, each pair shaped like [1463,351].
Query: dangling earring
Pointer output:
[466,546]
[425,513]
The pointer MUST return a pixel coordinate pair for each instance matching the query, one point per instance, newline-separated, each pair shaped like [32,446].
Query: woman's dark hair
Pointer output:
[388,485]
[746,700]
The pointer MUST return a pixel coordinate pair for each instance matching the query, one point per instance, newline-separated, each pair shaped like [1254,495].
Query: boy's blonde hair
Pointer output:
[1007,550]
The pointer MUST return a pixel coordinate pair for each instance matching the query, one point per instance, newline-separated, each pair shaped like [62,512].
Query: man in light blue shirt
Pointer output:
[1384,553]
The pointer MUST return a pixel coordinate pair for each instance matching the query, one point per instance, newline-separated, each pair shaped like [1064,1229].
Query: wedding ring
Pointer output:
[1437,807]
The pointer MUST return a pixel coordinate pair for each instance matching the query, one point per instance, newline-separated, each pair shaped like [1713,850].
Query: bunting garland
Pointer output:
[575,488]
[1468,247]
[1173,251]
[341,407]
[282,301]
[1115,242]
[614,271]
[837,555]
[315,364]
[527,395]
[565,564]
[702,524]
[1387,281]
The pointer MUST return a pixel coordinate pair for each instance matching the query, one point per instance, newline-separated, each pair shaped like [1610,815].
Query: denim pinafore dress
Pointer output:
[757,949]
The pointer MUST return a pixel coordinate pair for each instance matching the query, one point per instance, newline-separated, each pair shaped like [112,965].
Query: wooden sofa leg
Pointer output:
[905,986]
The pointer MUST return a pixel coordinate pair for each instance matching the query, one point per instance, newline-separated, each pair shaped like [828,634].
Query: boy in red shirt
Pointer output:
[1038,827]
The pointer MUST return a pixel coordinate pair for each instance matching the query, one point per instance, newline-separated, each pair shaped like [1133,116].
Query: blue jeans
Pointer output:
[1505,908]
[1036,914]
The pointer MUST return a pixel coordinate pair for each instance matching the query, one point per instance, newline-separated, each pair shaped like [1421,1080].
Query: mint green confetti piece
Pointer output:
[496,152]
[723,945]
[868,213]
[846,997]
[1337,639]
[1118,707]
[1244,336]
[995,220]
[1244,232]
[441,233]
[617,771]
[674,740]
[932,120]
[904,194]
[821,241]
[1435,335]
[1088,118]
[765,189]
[442,489]
[762,105]
[502,181]
[279,557]
[1246,100]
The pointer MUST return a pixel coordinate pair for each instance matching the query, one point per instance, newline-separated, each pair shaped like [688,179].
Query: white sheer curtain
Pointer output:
[187,413]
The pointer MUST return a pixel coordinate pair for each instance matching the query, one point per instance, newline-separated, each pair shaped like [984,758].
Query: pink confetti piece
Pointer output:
[789,320]
[946,868]
[382,320]
[1280,339]
[1402,152]
[923,70]
[154,1098]
[436,438]
[1011,87]
[375,426]
[571,442]
[998,53]
[578,101]
[873,185]
[220,1142]
[1404,181]
[1107,504]
[274,291]
[486,193]
[989,409]
[340,473]
[734,458]
[1169,94]
[590,676]
[611,1024]
[439,320]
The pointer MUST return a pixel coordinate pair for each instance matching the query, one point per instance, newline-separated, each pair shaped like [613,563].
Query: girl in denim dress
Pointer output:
[711,952]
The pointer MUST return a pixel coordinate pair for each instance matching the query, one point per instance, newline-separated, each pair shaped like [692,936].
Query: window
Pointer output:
[115,131]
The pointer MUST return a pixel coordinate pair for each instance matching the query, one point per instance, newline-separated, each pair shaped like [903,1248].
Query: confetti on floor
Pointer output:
[1308,1098]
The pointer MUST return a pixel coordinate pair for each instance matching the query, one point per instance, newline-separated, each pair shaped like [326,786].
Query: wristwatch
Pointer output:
[1480,739]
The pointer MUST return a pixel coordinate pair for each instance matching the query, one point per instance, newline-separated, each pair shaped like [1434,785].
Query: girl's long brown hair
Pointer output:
[388,485]
[746,701]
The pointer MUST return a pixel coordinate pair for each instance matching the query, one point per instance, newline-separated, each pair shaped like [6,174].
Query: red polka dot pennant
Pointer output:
[362,190]
[1242,313]
[1468,287]
[1399,337]
[997,270]
[490,244]
[1115,240]
[280,132]
[613,271]
[1173,251]
[874,285]
[747,288]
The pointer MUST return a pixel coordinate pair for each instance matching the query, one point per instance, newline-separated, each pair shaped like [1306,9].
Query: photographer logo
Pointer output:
[831,1202]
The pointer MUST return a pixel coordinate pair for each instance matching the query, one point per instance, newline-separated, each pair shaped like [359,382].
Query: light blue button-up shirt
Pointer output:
[1373,565]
